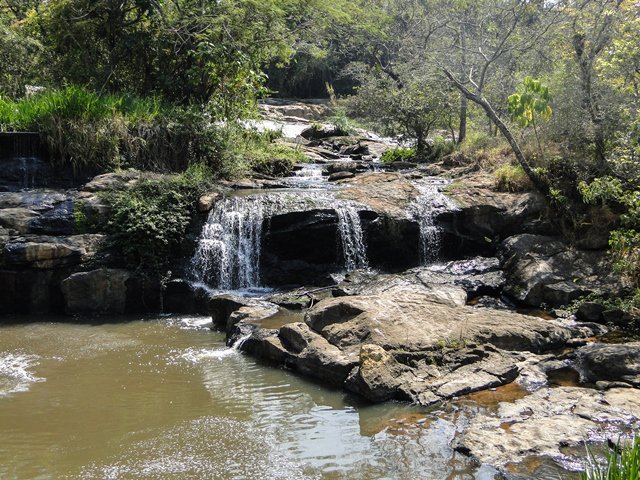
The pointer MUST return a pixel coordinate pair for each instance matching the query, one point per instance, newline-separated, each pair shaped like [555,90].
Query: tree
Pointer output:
[496,32]
[533,103]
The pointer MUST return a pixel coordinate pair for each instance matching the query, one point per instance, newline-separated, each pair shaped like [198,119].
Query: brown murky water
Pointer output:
[165,399]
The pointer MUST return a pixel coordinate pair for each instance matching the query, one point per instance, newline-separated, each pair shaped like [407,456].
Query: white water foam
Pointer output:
[15,374]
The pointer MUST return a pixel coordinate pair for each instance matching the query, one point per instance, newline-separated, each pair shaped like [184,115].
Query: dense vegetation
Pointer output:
[542,94]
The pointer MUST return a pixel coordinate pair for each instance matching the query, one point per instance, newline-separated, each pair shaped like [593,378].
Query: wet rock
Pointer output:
[102,291]
[590,312]
[342,167]
[44,252]
[228,310]
[545,422]
[207,201]
[334,177]
[542,269]
[179,296]
[30,291]
[611,362]
[17,219]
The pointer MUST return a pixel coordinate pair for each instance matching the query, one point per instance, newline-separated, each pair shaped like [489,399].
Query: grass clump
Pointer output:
[511,178]
[399,155]
[622,463]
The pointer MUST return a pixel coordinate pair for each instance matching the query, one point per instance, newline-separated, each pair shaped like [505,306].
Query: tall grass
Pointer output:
[104,132]
[75,103]
[622,463]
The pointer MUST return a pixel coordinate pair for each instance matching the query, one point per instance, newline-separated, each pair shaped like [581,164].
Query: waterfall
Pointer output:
[424,210]
[228,253]
[350,229]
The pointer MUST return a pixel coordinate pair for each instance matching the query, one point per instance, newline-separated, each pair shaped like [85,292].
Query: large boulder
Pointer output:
[610,362]
[545,270]
[486,217]
[406,321]
[102,291]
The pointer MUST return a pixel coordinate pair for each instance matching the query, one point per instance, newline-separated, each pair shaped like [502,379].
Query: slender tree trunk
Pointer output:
[537,181]
[462,132]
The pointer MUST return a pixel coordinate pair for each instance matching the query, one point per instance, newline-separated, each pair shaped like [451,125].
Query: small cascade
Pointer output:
[424,210]
[352,238]
[228,253]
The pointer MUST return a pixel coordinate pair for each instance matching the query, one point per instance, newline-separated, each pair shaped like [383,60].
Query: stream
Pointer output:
[163,398]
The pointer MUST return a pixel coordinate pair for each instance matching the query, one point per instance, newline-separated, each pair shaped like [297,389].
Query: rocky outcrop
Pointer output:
[601,362]
[545,270]
[548,421]
[486,217]
[46,252]
[400,338]
[102,291]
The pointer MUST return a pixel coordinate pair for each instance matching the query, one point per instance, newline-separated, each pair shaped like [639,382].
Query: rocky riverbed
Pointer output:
[390,282]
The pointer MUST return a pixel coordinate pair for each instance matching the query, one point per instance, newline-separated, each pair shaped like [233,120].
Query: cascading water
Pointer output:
[228,253]
[351,236]
[424,209]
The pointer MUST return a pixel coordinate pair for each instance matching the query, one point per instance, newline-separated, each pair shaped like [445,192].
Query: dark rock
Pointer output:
[590,312]
[611,362]
[544,270]
[179,296]
[228,310]
[616,317]
[342,167]
[317,132]
[341,176]
[102,291]
[401,166]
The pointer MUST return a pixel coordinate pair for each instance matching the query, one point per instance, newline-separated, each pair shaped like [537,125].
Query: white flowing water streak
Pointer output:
[424,210]
[351,236]
[228,253]
[15,374]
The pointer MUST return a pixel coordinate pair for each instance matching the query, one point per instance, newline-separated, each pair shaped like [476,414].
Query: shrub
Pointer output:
[399,155]
[511,178]
[148,221]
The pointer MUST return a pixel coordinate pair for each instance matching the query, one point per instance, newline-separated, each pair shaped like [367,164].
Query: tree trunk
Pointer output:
[537,181]
[462,132]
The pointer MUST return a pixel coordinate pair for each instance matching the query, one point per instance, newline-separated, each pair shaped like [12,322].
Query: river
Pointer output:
[164,398]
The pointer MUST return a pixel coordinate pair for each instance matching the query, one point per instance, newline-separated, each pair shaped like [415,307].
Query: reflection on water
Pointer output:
[164,399]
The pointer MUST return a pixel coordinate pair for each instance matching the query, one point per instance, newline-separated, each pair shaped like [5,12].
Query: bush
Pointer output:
[148,221]
[399,155]
[512,178]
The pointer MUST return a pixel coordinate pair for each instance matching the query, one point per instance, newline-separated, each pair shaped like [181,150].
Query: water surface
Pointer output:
[164,398]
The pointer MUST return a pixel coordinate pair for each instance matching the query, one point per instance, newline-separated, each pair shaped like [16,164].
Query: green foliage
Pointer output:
[148,222]
[602,190]
[533,102]
[275,160]
[399,155]
[511,178]
[622,463]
